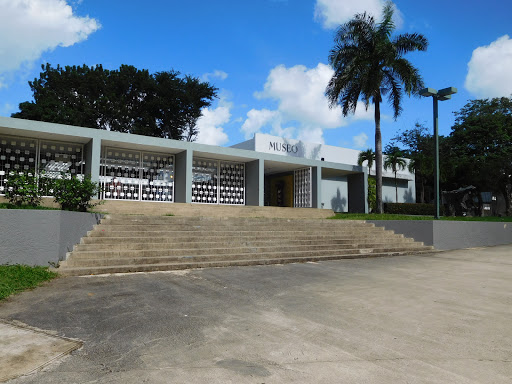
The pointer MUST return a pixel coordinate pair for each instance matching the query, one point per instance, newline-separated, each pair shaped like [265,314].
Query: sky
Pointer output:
[268,58]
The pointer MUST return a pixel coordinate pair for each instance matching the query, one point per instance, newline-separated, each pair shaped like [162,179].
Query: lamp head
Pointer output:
[447,91]
[428,92]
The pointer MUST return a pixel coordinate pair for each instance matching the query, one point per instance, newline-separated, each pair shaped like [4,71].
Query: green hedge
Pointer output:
[411,209]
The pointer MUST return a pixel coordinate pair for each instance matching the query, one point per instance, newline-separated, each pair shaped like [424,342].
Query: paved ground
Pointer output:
[440,318]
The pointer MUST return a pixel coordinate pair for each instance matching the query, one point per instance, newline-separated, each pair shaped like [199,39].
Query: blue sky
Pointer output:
[267,57]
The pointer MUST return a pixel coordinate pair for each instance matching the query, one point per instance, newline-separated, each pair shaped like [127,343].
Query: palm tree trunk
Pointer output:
[378,156]
[396,189]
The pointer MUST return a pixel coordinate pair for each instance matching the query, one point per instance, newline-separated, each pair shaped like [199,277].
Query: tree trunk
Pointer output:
[396,189]
[378,156]
[422,191]
[507,195]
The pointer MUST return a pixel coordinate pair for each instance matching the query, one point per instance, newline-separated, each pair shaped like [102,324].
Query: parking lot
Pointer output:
[437,318]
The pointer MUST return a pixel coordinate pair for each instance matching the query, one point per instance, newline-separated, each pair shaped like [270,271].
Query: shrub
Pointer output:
[372,194]
[411,209]
[22,189]
[74,194]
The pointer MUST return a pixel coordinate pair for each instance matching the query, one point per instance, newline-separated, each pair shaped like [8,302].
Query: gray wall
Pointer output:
[254,178]
[316,187]
[37,237]
[445,235]
[406,191]
[335,194]
[183,177]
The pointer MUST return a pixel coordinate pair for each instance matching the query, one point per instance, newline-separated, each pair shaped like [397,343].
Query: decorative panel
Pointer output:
[205,181]
[135,175]
[218,182]
[157,177]
[232,183]
[16,155]
[58,159]
[120,171]
[302,188]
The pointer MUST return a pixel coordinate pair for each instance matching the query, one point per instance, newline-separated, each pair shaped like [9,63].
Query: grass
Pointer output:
[18,278]
[387,216]
[39,207]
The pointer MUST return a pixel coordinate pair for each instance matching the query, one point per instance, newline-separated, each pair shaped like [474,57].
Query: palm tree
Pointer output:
[369,64]
[396,163]
[369,157]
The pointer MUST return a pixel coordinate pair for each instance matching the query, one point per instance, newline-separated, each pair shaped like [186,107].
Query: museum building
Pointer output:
[266,170]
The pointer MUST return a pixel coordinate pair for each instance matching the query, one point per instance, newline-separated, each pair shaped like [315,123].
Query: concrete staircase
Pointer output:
[132,243]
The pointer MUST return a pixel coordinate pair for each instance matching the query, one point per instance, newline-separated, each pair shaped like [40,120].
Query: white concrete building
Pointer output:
[265,170]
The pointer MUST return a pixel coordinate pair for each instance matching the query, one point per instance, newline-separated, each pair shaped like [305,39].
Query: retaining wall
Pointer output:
[445,235]
[37,237]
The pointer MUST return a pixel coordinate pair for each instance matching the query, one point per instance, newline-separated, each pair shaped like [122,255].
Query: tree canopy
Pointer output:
[477,152]
[480,146]
[368,64]
[163,104]
[418,146]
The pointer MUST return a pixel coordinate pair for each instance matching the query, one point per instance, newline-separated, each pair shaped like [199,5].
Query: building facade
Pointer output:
[265,170]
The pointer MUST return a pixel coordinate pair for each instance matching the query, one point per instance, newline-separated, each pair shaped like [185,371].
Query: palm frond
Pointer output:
[410,42]
[387,26]
[408,75]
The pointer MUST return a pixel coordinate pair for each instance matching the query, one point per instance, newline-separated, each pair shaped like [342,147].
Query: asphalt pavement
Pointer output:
[437,318]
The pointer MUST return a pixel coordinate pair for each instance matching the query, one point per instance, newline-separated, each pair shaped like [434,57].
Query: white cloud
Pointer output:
[30,27]
[311,135]
[256,119]
[332,13]
[361,140]
[210,124]
[302,110]
[489,70]
[215,74]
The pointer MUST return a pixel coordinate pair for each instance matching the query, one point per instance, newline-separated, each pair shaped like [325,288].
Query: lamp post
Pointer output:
[441,95]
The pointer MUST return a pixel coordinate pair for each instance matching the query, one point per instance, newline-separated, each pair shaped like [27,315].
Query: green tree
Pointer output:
[417,144]
[369,64]
[481,147]
[395,162]
[130,100]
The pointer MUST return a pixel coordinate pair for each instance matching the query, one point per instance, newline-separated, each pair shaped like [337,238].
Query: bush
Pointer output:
[22,189]
[372,194]
[411,209]
[74,194]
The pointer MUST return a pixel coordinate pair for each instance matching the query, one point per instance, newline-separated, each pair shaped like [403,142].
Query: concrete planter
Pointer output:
[445,235]
[37,237]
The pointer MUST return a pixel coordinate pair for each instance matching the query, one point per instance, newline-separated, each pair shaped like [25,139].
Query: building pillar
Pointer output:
[183,177]
[254,183]
[92,158]
[316,187]
[358,192]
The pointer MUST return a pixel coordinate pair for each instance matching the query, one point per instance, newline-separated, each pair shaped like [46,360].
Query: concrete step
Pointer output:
[173,238]
[138,219]
[224,227]
[238,243]
[77,271]
[225,252]
[207,210]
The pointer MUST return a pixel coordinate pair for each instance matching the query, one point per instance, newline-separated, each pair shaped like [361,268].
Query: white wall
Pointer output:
[296,148]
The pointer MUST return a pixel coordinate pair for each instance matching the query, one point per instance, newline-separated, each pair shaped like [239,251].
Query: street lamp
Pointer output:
[442,95]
